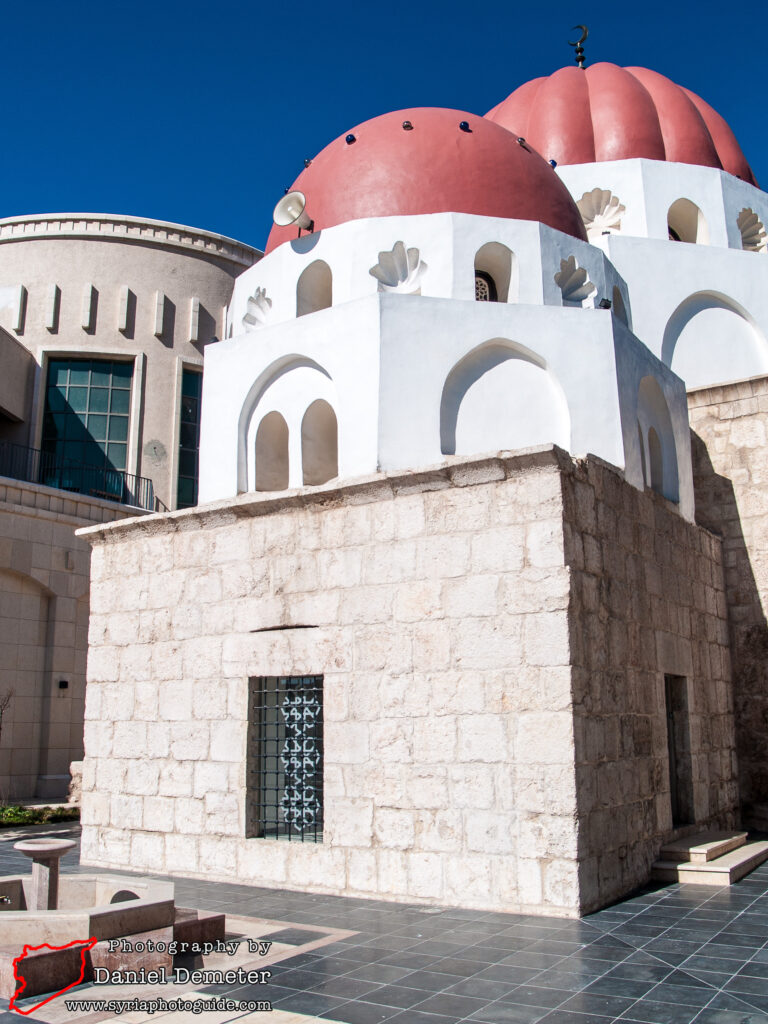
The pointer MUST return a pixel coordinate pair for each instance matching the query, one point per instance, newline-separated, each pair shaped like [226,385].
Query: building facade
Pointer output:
[104,324]
[473,609]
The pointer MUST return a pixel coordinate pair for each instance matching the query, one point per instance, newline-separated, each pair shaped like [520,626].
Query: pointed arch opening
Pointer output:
[319,444]
[271,462]
[314,289]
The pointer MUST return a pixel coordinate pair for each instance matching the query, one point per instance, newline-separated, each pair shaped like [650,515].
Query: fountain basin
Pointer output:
[90,906]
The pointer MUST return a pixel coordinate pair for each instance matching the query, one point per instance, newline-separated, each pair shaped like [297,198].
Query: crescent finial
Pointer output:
[579,44]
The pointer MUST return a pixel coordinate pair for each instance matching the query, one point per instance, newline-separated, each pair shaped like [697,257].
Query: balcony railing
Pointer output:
[40,467]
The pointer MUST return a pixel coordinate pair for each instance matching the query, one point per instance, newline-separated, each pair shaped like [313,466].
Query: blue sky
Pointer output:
[202,112]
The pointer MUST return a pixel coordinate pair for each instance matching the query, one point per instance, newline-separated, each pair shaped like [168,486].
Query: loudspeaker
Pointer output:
[292,210]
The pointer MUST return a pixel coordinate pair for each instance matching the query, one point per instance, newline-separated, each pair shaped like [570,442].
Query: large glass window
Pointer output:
[189,438]
[87,406]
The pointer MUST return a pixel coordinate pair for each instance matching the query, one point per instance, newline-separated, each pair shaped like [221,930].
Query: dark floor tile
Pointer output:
[538,995]
[651,1012]
[359,1013]
[596,1003]
[506,1013]
[412,961]
[619,987]
[429,981]
[459,1006]
[570,1017]
[504,972]
[415,1017]
[347,988]
[387,974]
[684,995]
[742,983]
[307,1002]
[396,995]
[541,961]
[481,988]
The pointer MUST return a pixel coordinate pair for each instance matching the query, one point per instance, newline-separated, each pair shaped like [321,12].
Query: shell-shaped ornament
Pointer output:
[601,212]
[259,308]
[399,270]
[753,236]
[573,282]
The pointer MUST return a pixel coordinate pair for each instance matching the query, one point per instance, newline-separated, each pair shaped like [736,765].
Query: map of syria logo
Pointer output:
[84,946]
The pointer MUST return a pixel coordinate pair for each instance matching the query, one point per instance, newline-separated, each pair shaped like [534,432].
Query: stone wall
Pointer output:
[447,616]
[648,601]
[43,633]
[730,477]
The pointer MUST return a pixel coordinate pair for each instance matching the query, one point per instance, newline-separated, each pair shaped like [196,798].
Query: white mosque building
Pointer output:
[472,609]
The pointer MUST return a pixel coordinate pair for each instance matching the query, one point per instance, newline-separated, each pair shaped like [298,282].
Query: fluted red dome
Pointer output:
[435,167]
[610,113]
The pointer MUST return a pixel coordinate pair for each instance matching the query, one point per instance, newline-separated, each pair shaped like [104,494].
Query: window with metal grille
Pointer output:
[285,758]
[485,287]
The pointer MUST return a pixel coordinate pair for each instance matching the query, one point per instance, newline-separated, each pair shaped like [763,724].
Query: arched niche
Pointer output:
[271,454]
[319,444]
[711,339]
[498,263]
[288,385]
[687,223]
[314,289]
[619,309]
[658,451]
[500,397]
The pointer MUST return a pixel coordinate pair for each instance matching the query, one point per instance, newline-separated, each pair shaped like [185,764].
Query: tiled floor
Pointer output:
[675,955]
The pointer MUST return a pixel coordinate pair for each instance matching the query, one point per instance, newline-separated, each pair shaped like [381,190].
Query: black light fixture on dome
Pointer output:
[407,126]
[464,125]
[350,139]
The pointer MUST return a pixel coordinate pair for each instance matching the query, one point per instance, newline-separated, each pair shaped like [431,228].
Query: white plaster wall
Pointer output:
[383,361]
[342,341]
[447,243]
[647,188]
[664,275]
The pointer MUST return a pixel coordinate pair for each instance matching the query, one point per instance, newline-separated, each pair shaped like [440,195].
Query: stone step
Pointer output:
[703,847]
[724,870]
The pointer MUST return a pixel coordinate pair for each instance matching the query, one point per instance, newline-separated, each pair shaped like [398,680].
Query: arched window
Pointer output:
[686,223]
[319,444]
[271,472]
[656,458]
[314,289]
[495,273]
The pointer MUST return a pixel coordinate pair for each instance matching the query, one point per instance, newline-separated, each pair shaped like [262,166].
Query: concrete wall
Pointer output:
[460,617]
[730,476]
[43,633]
[95,285]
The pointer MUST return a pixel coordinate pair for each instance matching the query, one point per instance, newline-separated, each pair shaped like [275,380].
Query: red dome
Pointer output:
[436,167]
[610,113]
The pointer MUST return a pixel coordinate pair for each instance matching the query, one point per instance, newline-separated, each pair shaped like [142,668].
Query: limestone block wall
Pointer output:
[43,633]
[648,600]
[451,612]
[731,483]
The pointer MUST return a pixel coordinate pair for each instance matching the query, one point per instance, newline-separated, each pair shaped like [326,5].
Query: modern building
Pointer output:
[473,608]
[103,325]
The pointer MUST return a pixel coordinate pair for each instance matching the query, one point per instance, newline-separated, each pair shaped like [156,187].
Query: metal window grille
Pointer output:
[285,754]
[485,287]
